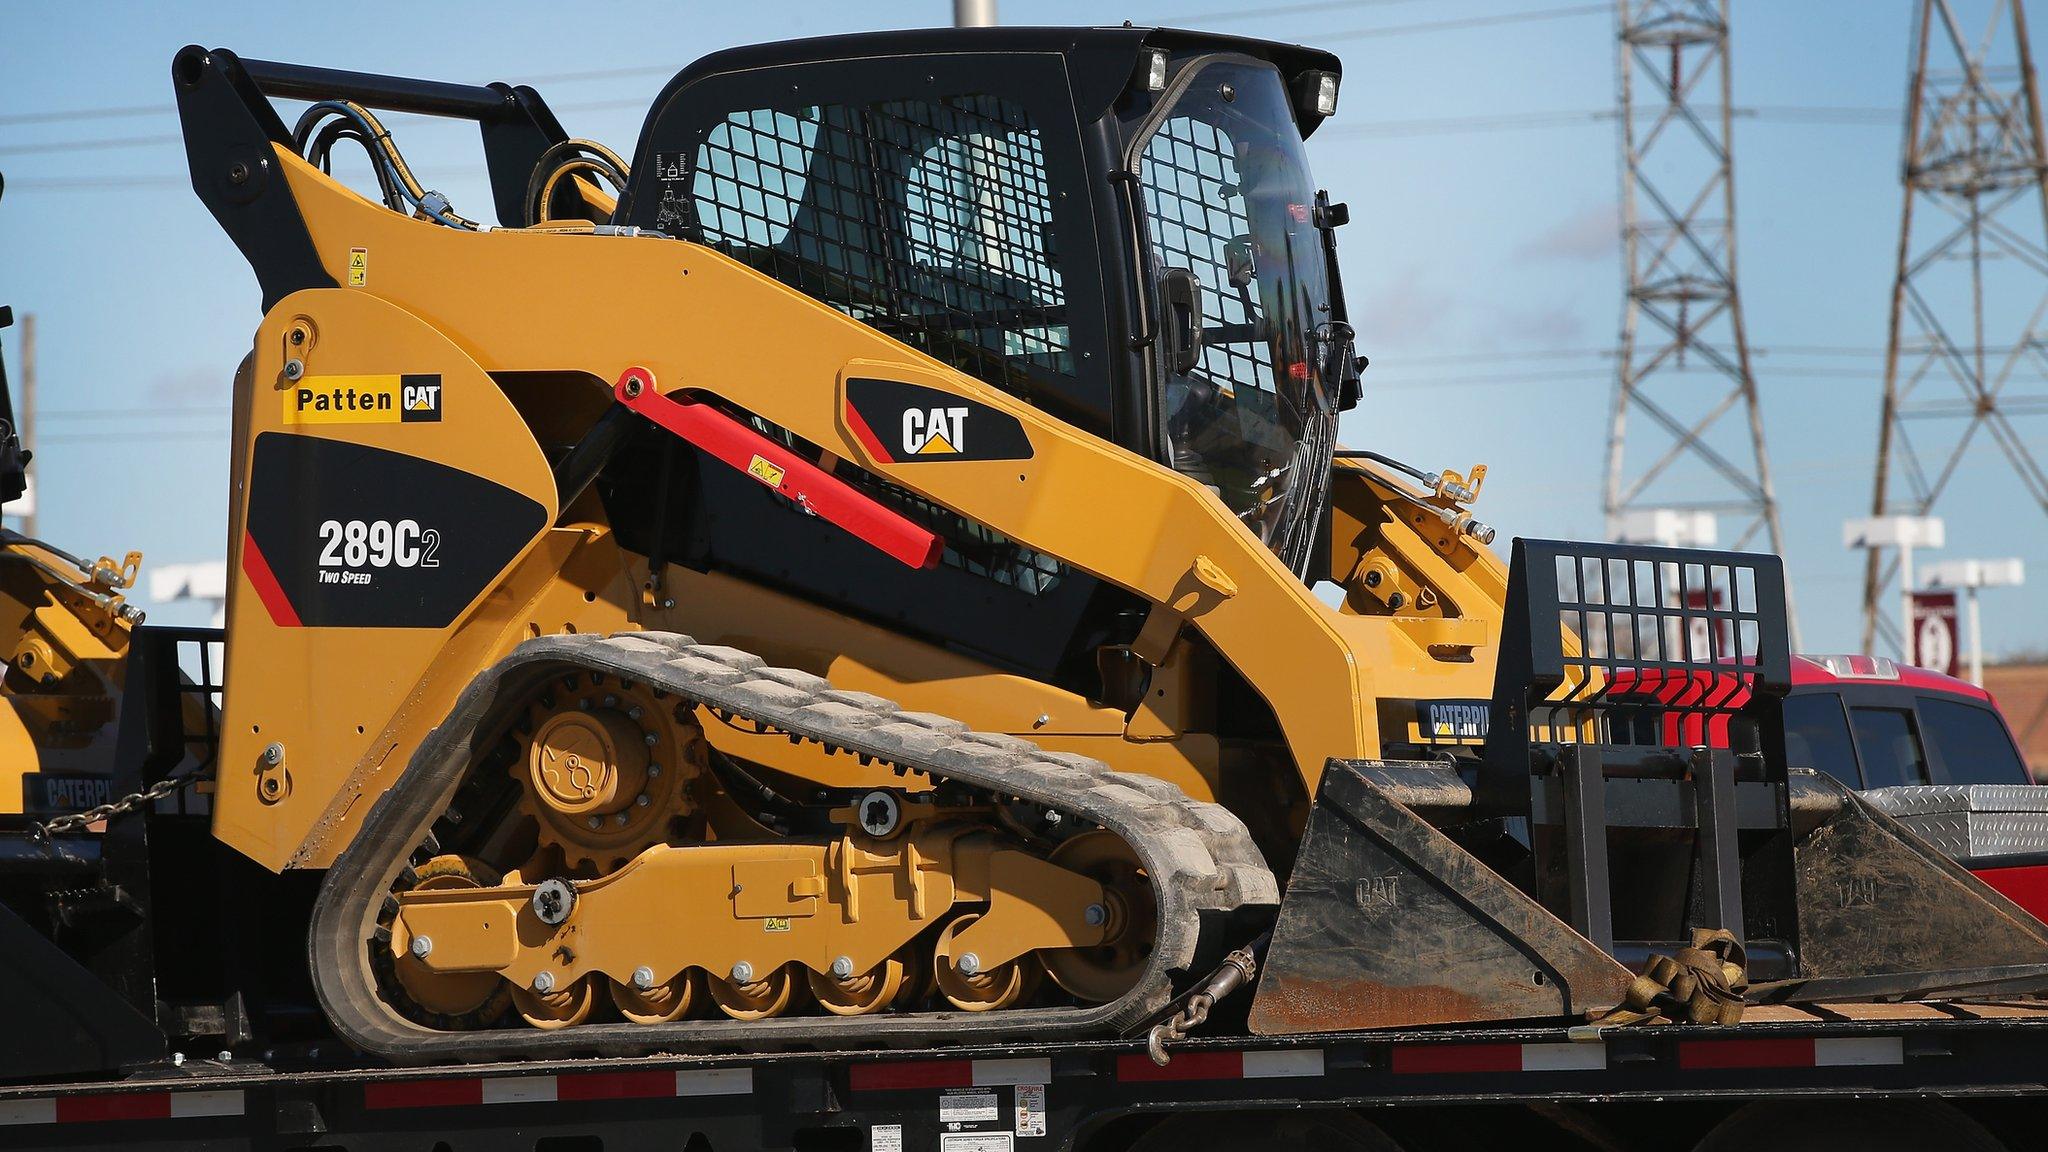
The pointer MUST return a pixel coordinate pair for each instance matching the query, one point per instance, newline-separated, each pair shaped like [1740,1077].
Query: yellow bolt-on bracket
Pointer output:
[1453,490]
[299,337]
[273,779]
[106,573]
[1204,586]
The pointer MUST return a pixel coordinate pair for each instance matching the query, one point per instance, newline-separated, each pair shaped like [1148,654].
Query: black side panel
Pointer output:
[431,536]
[912,424]
[1001,603]
[229,130]
[61,1019]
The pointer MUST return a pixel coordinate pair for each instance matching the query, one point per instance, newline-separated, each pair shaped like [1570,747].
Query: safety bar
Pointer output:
[389,93]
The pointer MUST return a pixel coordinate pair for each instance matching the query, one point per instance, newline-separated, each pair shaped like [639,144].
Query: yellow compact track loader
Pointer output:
[878,568]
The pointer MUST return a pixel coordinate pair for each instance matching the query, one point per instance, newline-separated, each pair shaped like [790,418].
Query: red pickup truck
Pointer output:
[1874,724]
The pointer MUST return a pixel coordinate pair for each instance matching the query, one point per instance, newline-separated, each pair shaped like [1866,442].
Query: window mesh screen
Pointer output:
[928,220]
[1197,213]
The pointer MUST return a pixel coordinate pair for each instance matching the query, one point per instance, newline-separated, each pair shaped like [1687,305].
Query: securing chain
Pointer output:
[1700,984]
[79,821]
[1237,970]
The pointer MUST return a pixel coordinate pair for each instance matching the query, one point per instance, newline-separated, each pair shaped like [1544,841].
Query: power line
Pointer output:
[1468,22]
[1283,10]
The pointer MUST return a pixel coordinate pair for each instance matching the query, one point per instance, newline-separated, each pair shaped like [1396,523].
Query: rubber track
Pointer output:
[1203,863]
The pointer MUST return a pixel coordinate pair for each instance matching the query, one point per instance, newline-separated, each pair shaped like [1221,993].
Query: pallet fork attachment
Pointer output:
[1634,789]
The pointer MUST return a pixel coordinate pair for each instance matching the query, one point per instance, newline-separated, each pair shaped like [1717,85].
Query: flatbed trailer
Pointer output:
[1872,1076]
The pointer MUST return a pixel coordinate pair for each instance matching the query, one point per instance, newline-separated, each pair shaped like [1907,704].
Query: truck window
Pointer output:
[1971,742]
[1889,745]
[1817,736]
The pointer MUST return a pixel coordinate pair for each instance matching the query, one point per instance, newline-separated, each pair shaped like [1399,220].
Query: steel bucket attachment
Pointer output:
[1387,922]
[1634,789]
[1883,913]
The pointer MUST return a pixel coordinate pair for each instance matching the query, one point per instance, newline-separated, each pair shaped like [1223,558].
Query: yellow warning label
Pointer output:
[358,267]
[769,473]
[384,399]
[774,923]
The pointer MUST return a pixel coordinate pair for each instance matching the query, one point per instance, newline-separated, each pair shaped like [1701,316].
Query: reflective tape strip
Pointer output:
[1584,1057]
[1022,1070]
[28,1111]
[1283,1063]
[897,1076]
[715,1082]
[517,1090]
[1853,1050]
[1211,1065]
[637,1085]
[1793,1052]
[86,1109]
[184,1104]
[1442,1059]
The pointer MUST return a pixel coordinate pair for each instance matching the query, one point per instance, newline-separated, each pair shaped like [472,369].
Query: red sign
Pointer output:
[1933,643]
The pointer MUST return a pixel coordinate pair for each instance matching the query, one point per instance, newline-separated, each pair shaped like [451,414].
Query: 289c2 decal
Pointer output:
[344,535]
[377,544]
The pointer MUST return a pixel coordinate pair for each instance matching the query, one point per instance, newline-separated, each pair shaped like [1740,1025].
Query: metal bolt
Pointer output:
[238,173]
[621,819]
[553,900]
[652,739]
[584,704]
[1373,578]
[294,368]
[274,754]
[653,770]
[643,978]
[969,964]
[842,968]
[633,713]
[422,946]
[225,1056]
[641,800]
[544,982]
[595,823]
[177,1059]
[1096,915]
[668,603]
[1044,718]
[743,973]
[611,701]
[1396,600]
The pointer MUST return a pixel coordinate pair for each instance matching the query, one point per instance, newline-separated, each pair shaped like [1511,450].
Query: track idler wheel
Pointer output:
[452,1000]
[771,995]
[661,1003]
[1105,971]
[970,986]
[554,1008]
[871,991]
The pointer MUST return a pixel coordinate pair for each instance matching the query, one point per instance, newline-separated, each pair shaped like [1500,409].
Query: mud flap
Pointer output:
[1387,923]
[1884,913]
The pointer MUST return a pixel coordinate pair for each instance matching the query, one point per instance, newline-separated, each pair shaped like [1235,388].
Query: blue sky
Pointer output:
[1483,265]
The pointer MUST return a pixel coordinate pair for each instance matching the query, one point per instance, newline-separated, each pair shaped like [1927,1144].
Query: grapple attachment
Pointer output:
[1633,791]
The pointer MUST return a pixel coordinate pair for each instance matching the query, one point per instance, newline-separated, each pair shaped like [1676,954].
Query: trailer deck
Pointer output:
[1043,1096]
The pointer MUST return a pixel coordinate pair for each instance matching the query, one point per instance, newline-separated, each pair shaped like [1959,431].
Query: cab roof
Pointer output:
[1809,670]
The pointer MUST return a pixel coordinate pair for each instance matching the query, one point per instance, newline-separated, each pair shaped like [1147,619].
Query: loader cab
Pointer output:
[1116,225]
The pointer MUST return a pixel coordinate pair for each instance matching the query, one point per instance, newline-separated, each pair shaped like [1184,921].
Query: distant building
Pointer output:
[206,581]
[2022,694]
